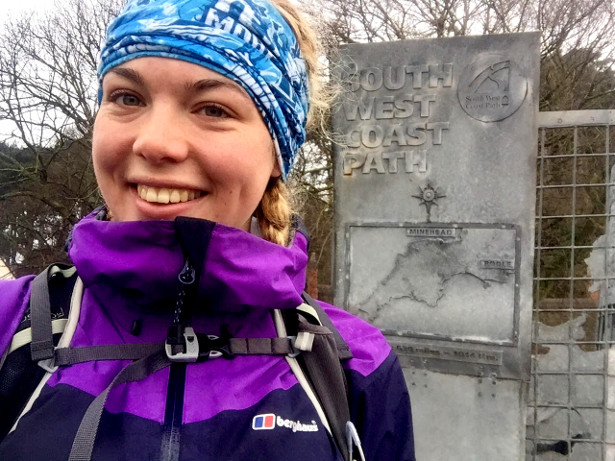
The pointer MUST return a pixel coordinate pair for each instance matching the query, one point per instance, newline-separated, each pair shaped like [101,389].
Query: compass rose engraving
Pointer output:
[429,196]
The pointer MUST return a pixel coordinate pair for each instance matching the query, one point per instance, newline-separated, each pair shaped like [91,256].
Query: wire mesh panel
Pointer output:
[571,414]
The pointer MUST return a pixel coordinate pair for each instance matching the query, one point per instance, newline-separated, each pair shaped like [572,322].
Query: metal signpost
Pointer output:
[435,196]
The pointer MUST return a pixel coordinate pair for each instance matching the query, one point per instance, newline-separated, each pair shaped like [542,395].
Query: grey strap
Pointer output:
[343,350]
[40,318]
[260,346]
[83,445]
[237,346]
[73,355]
[324,369]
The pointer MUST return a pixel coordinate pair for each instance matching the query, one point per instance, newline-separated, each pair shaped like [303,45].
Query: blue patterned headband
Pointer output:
[247,41]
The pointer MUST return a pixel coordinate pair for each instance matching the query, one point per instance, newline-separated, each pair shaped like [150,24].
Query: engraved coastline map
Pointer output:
[438,281]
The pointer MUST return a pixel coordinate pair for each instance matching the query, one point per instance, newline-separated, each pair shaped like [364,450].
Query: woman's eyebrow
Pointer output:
[128,74]
[208,84]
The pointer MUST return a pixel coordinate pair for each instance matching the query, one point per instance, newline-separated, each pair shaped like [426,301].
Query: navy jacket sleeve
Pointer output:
[380,409]
[378,396]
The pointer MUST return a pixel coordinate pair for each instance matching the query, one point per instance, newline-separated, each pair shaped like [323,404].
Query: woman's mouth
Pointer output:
[165,195]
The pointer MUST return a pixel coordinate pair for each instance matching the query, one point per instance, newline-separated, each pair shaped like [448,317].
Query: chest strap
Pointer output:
[201,348]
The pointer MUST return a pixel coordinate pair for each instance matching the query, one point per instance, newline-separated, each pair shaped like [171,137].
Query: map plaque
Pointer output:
[467,272]
[435,186]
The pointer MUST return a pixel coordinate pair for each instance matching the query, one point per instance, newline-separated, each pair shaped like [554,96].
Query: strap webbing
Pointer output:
[40,318]
[41,347]
[343,350]
[237,346]
[83,445]
[328,380]
[24,337]
[73,355]
[260,346]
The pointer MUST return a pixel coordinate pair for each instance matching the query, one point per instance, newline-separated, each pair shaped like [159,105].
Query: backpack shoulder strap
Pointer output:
[43,322]
[319,317]
[323,368]
[61,279]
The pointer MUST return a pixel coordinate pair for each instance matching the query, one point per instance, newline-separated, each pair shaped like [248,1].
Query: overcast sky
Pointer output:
[16,6]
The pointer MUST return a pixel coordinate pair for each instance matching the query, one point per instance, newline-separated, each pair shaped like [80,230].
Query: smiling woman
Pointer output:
[174,138]
[196,256]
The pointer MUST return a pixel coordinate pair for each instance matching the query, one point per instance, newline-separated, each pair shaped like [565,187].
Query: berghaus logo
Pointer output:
[270,421]
[263,422]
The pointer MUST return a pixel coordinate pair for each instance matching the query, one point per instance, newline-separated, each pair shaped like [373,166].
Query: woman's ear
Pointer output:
[276,172]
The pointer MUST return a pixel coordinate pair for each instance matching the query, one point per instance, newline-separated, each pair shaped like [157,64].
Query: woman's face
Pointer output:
[173,138]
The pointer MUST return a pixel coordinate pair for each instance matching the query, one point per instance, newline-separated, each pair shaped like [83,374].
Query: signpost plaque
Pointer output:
[435,181]
[435,196]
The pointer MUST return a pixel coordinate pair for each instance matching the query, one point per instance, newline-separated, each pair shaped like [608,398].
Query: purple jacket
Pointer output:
[212,410]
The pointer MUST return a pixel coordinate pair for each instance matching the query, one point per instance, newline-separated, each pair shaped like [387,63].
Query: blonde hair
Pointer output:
[311,51]
[274,212]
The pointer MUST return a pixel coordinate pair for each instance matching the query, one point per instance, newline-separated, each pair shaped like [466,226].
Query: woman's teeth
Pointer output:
[166,195]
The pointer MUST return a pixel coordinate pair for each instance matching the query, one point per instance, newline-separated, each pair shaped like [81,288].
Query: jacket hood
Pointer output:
[141,261]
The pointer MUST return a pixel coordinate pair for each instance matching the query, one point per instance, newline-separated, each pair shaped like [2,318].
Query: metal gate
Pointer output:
[571,414]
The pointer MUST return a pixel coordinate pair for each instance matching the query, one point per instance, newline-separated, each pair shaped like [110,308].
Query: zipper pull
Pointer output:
[187,276]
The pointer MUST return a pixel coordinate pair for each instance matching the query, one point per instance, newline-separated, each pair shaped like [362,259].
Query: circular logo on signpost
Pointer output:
[492,88]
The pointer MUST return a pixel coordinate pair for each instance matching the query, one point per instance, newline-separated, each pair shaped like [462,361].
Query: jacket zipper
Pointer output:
[171,433]
[171,436]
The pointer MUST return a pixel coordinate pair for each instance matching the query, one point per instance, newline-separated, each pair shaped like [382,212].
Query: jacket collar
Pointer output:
[140,261]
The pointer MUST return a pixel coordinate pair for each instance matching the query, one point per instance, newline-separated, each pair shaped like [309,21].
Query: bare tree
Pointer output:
[564,25]
[48,99]
[576,50]
[48,64]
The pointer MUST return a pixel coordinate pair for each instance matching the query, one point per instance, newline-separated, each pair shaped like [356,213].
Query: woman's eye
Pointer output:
[125,99]
[212,110]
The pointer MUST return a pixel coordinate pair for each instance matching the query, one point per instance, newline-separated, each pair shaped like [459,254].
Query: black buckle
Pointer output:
[213,347]
[182,344]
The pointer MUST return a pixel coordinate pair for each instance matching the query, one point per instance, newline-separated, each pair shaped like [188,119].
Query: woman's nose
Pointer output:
[161,137]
